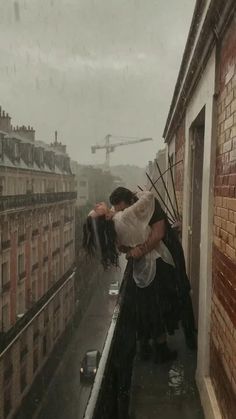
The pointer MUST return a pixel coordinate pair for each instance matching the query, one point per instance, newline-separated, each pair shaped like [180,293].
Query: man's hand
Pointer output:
[135,253]
[157,233]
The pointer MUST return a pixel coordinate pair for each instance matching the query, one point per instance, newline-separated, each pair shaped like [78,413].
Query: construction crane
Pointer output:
[110,147]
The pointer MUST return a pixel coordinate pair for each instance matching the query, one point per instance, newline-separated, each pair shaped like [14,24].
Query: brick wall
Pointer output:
[179,169]
[223,335]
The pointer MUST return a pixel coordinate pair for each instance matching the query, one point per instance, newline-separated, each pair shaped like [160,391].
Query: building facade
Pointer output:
[82,183]
[201,128]
[37,253]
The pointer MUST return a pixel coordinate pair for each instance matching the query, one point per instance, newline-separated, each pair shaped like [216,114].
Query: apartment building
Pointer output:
[37,253]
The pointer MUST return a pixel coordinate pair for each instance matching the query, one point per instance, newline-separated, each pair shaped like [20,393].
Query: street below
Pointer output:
[66,397]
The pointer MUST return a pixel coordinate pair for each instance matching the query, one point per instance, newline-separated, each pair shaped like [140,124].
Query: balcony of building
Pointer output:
[11,202]
[127,387]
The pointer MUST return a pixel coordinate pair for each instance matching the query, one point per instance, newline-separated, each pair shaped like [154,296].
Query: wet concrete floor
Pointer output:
[166,391]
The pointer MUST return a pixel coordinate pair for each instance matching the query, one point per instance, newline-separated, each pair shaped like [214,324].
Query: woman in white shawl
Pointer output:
[153,273]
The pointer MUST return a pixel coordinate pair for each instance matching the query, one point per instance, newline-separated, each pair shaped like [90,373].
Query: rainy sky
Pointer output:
[87,68]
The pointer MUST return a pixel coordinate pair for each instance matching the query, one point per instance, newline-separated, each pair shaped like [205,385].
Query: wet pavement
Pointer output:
[166,391]
[66,397]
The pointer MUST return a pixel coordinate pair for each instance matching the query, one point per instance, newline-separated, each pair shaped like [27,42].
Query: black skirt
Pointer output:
[157,306]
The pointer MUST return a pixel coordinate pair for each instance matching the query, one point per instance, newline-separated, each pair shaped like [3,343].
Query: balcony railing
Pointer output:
[35,232]
[19,201]
[68,219]
[56,252]
[110,393]
[45,259]
[56,224]
[21,238]
[35,266]
[6,286]
[68,243]
[22,275]
[6,244]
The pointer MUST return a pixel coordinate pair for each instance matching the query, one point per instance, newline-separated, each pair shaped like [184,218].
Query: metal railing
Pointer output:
[109,397]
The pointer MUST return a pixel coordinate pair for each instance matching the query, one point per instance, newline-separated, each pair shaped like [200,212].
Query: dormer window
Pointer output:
[16,151]
[1,149]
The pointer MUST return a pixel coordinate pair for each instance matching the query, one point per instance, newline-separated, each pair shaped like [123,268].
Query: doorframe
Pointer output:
[199,121]
[204,95]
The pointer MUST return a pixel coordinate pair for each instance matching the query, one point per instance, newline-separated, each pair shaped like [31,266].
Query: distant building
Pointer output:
[94,184]
[82,183]
[37,229]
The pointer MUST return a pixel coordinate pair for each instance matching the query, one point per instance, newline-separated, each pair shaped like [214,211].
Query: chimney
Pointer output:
[58,145]
[5,121]
[24,132]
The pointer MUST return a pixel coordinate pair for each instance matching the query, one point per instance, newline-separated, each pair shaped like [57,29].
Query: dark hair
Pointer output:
[99,234]
[122,194]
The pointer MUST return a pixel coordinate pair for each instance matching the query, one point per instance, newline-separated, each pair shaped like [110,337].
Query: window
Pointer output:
[7,398]
[35,330]
[45,282]
[56,316]
[46,317]
[21,303]
[5,274]
[8,367]
[45,248]
[23,376]
[35,345]
[5,318]
[2,185]
[56,324]
[35,358]
[16,150]
[1,149]
[83,183]
[45,345]
[34,255]
[5,233]
[21,230]
[34,287]
[57,271]
[21,264]
[23,346]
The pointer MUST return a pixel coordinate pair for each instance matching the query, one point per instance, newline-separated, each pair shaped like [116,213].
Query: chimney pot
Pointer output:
[3,114]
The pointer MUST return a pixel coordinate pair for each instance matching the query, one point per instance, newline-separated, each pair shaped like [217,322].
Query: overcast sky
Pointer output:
[87,68]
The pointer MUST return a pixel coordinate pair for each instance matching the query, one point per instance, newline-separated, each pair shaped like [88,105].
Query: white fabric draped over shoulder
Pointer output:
[132,228]
[132,224]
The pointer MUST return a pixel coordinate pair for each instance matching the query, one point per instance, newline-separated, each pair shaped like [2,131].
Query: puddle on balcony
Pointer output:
[167,391]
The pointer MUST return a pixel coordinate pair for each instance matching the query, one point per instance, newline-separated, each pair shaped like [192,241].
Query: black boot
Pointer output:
[164,354]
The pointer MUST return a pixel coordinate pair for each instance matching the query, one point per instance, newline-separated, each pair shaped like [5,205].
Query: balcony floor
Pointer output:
[166,391]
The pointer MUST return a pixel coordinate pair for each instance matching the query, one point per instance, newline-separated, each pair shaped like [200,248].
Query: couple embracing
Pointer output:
[137,225]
